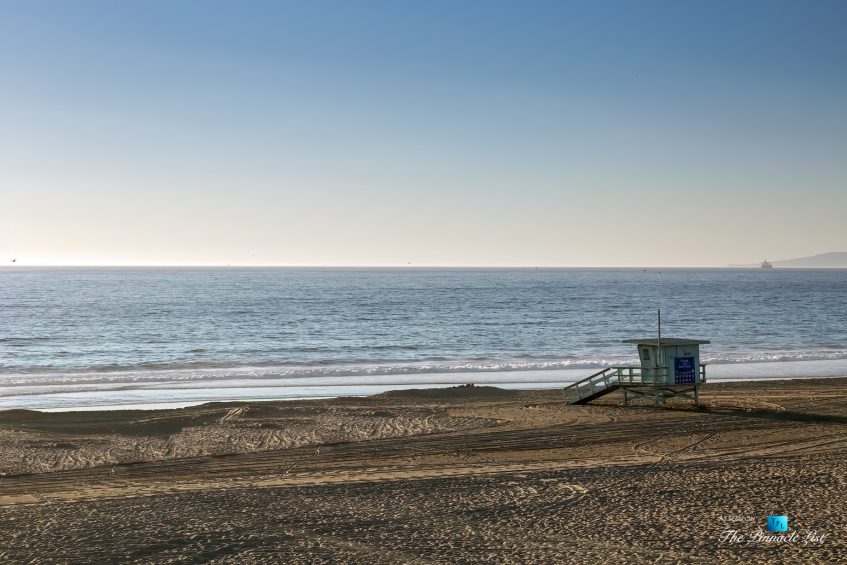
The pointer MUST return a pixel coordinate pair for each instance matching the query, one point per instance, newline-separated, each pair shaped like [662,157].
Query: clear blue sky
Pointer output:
[437,133]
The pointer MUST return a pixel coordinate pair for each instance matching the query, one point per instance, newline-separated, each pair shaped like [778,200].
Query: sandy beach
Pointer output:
[469,474]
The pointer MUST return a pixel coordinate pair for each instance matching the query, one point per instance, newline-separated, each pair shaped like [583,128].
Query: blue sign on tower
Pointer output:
[684,370]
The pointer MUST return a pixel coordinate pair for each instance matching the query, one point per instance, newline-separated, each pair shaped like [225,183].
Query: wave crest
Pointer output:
[160,373]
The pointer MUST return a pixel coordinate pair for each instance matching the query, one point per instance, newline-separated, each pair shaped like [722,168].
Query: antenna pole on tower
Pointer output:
[659,341]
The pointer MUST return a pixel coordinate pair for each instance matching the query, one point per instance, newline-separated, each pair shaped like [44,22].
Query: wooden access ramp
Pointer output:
[593,386]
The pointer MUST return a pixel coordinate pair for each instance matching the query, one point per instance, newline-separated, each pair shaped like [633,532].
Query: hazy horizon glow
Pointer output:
[424,133]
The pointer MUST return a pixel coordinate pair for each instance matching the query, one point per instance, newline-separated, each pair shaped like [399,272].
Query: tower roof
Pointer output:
[666,341]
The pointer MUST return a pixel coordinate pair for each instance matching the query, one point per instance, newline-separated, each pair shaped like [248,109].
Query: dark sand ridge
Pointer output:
[467,474]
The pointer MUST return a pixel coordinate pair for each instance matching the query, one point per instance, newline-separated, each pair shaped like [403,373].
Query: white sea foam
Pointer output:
[188,389]
[111,379]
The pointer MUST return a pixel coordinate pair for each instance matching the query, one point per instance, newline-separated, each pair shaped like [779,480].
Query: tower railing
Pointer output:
[611,378]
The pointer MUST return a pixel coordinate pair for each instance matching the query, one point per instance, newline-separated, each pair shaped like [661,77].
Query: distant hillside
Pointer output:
[832,260]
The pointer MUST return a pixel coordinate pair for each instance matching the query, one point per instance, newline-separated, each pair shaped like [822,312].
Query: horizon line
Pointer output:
[389,266]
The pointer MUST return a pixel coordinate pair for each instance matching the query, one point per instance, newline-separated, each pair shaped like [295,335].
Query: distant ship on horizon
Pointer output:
[830,260]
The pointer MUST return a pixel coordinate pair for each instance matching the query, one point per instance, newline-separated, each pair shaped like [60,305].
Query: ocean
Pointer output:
[75,338]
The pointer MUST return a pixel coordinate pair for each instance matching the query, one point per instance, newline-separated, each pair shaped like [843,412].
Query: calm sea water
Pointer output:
[76,337]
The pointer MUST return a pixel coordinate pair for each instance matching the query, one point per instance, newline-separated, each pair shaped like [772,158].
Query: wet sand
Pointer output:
[458,475]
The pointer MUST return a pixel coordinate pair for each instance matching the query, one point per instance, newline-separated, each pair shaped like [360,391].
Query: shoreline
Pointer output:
[520,387]
[27,426]
[141,394]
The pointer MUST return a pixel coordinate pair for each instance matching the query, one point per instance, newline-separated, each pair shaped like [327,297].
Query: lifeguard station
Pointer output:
[670,367]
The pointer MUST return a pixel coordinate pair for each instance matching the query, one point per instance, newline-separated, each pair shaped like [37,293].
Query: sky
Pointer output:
[449,133]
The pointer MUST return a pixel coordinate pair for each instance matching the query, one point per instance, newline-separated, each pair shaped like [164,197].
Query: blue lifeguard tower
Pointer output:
[669,367]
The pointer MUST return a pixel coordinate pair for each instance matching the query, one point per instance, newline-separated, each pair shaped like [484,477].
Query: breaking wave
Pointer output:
[203,371]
